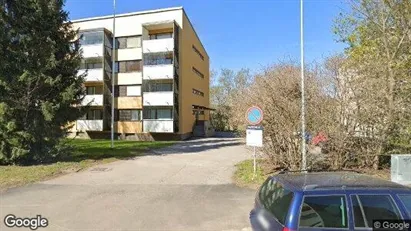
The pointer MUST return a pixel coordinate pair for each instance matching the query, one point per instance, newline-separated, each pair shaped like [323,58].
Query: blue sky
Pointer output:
[243,33]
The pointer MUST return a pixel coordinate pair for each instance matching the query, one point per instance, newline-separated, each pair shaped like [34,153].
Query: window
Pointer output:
[161,35]
[198,52]
[132,90]
[367,208]
[324,211]
[91,90]
[91,63]
[275,199]
[158,113]
[164,113]
[406,200]
[158,58]
[94,114]
[128,66]
[129,115]
[91,38]
[198,72]
[197,92]
[94,90]
[128,42]
[155,87]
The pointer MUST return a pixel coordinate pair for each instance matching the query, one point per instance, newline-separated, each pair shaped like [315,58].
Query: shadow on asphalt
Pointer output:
[196,145]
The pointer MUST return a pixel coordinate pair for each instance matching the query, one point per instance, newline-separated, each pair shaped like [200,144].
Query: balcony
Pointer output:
[158,45]
[153,72]
[129,54]
[129,126]
[93,75]
[129,78]
[94,100]
[158,126]
[164,98]
[89,125]
[95,50]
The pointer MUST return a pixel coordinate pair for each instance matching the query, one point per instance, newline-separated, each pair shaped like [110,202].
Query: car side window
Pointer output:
[275,199]
[324,211]
[367,208]
[406,200]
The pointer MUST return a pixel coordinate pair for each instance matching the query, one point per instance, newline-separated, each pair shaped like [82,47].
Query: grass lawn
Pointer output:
[244,174]
[86,153]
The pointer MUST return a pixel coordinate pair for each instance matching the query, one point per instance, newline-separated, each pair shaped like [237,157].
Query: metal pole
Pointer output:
[112,73]
[303,148]
[255,164]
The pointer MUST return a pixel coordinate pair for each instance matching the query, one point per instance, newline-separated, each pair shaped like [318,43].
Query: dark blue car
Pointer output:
[328,201]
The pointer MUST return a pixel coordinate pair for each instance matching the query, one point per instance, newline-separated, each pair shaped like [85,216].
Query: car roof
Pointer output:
[334,180]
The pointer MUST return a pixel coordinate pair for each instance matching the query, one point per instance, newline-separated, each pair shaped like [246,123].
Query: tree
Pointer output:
[379,56]
[39,86]
[225,94]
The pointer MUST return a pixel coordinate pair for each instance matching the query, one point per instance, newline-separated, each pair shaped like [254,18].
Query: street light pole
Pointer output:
[113,73]
[303,147]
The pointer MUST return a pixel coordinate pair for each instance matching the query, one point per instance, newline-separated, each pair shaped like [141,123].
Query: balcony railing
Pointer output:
[158,45]
[93,75]
[129,78]
[129,54]
[95,50]
[158,126]
[165,71]
[94,100]
[89,125]
[162,98]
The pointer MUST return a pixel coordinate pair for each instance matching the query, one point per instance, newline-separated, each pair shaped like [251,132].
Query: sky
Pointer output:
[243,33]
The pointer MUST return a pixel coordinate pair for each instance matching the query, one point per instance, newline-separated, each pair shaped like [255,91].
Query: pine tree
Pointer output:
[39,86]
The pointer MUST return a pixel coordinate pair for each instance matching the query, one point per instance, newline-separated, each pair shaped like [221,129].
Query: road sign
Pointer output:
[254,136]
[254,115]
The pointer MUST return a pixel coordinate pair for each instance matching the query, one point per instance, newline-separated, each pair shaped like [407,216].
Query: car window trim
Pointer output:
[325,195]
[362,212]
[374,194]
[398,195]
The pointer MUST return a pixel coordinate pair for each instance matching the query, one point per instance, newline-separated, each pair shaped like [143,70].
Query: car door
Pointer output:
[324,212]
[370,208]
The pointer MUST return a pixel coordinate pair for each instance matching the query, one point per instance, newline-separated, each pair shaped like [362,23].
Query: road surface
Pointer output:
[187,186]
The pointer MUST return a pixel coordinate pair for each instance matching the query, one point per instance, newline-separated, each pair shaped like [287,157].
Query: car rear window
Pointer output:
[367,208]
[406,200]
[324,211]
[275,199]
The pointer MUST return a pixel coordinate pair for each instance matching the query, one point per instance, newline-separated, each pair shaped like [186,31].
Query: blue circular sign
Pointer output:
[254,115]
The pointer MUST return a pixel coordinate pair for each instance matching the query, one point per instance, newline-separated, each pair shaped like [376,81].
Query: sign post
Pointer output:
[254,132]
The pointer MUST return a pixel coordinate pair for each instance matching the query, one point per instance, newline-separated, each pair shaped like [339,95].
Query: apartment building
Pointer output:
[161,75]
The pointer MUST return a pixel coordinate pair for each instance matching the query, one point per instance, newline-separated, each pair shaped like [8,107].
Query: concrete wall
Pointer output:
[189,79]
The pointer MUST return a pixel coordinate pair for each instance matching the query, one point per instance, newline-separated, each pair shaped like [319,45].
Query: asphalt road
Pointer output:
[184,187]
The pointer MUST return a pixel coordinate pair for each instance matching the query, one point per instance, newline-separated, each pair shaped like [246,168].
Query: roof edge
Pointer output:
[195,32]
[128,14]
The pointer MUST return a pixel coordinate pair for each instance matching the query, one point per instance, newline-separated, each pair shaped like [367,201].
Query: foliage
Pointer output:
[39,85]
[224,94]
[378,70]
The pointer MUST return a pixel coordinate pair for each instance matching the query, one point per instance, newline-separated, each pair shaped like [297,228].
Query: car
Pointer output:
[342,200]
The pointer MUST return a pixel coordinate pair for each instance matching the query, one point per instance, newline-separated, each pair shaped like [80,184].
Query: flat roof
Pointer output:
[128,14]
[334,180]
